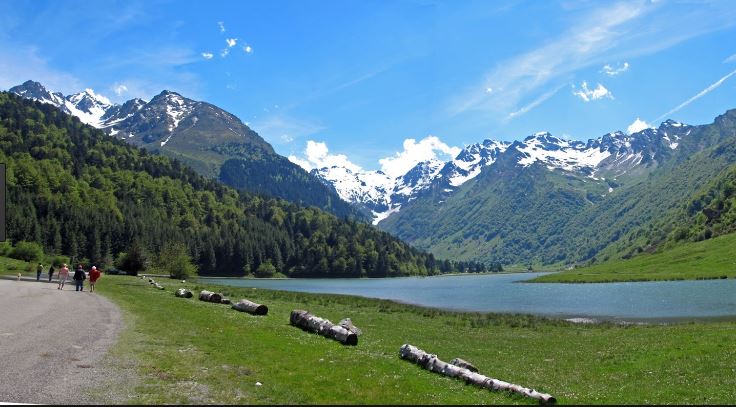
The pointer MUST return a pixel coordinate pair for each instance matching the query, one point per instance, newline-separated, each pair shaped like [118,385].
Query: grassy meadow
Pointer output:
[187,351]
[708,259]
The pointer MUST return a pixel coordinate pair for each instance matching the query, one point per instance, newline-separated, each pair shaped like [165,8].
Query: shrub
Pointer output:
[28,251]
[57,261]
[265,270]
[176,261]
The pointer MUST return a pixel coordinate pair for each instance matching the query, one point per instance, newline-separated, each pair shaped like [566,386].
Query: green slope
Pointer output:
[714,258]
[79,192]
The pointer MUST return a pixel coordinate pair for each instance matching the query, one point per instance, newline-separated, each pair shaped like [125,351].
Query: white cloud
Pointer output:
[414,153]
[611,71]
[732,58]
[637,125]
[221,25]
[207,55]
[317,155]
[587,94]
[231,42]
[247,49]
[699,95]
[120,89]
[225,52]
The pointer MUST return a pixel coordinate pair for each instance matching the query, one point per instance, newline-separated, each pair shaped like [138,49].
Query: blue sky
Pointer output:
[359,78]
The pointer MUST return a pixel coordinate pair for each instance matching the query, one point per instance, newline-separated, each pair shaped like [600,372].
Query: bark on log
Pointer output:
[183,292]
[433,364]
[209,296]
[250,307]
[159,286]
[464,363]
[305,320]
[226,301]
[347,323]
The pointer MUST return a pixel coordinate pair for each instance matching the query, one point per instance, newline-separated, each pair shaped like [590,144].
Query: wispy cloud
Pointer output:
[282,128]
[221,26]
[586,94]
[19,64]
[231,42]
[247,49]
[698,96]
[225,52]
[207,55]
[730,59]
[536,102]
[119,89]
[609,31]
[613,71]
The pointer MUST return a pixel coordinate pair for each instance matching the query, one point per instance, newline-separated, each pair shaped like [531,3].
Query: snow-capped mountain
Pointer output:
[609,156]
[167,118]
[88,106]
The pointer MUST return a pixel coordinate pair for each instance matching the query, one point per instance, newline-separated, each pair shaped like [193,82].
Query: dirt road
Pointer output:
[52,343]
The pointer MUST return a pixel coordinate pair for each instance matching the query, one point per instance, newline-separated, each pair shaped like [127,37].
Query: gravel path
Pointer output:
[53,343]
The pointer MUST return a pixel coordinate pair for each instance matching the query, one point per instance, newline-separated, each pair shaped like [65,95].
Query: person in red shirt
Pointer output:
[94,274]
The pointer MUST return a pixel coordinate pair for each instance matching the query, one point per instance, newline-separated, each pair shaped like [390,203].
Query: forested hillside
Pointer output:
[82,193]
[521,215]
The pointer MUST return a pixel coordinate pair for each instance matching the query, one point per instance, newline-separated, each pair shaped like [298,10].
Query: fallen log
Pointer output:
[305,320]
[209,296]
[225,301]
[183,292]
[159,286]
[250,307]
[433,364]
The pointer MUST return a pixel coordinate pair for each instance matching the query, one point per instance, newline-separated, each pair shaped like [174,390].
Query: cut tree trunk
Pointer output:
[209,296]
[250,307]
[225,301]
[433,364]
[159,286]
[183,292]
[305,320]
[464,363]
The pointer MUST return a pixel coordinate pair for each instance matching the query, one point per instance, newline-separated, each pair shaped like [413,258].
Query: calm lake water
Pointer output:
[660,300]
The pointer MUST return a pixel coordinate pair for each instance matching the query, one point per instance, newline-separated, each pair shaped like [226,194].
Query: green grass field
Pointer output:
[187,351]
[714,258]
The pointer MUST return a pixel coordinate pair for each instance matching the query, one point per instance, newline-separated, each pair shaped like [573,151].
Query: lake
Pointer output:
[632,301]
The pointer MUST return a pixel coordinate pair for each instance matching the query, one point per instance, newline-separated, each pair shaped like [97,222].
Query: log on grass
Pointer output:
[226,301]
[250,307]
[433,364]
[209,296]
[159,286]
[184,293]
[308,322]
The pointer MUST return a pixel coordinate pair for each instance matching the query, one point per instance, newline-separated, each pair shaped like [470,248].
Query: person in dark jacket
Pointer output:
[51,272]
[79,278]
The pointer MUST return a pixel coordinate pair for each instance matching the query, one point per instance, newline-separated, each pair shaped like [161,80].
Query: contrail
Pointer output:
[698,96]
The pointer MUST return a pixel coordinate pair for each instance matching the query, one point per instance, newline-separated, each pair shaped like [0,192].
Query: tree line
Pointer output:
[76,191]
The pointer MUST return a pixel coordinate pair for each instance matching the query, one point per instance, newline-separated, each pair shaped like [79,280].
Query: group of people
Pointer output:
[79,276]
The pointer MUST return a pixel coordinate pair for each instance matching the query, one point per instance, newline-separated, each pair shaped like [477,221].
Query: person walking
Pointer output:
[39,270]
[79,278]
[51,272]
[94,274]
[63,275]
